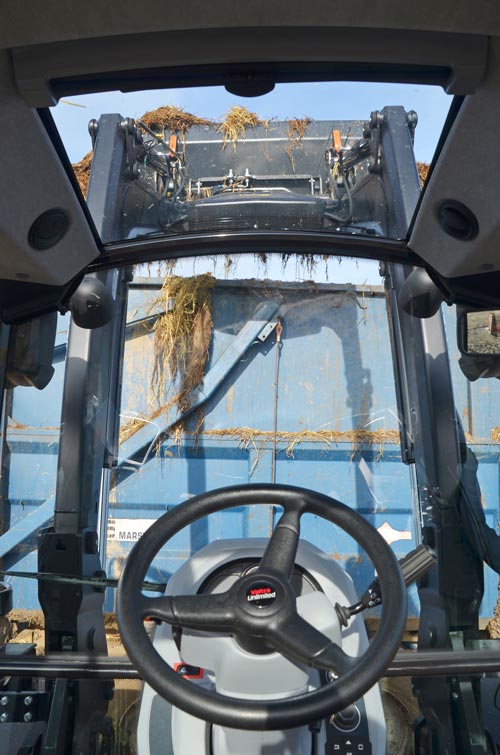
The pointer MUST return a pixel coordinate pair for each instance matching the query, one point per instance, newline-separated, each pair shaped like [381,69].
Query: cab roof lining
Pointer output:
[30,22]
[140,61]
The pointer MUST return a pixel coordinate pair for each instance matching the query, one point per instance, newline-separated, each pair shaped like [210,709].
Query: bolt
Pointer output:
[28,716]
[376,119]
[412,119]
[28,700]
[4,700]
[455,696]
[4,717]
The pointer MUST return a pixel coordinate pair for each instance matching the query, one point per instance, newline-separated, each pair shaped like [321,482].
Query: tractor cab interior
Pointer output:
[250,427]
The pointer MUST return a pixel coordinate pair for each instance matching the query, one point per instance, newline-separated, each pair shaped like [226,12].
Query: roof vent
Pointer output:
[457,220]
[48,229]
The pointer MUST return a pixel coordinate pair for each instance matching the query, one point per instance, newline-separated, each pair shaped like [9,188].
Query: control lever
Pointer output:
[413,566]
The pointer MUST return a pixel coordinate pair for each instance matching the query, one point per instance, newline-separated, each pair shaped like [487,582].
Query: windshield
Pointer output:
[332,158]
[252,402]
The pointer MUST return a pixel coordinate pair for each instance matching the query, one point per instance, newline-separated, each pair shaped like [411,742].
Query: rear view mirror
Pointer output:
[481,332]
[478,336]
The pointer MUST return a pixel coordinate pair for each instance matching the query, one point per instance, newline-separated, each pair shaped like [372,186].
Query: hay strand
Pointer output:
[249,436]
[357,438]
[182,334]
[82,172]
[423,170]
[495,434]
[297,128]
[172,118]
[234,126]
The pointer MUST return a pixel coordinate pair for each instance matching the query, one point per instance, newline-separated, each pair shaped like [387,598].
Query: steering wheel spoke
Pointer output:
[281,549]
[212,613]
[301,642]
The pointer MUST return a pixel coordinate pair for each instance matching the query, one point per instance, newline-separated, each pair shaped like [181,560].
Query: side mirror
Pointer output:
[31,352]
[479,334]
[478,337]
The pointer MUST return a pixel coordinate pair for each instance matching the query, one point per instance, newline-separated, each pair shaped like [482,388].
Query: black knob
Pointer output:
[347,719]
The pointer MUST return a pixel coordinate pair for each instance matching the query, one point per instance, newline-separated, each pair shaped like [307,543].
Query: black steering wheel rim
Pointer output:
[270,714]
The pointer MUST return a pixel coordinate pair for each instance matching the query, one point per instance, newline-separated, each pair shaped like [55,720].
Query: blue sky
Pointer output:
[320,101]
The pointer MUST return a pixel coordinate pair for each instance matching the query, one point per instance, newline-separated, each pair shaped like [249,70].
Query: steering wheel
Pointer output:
[260,606]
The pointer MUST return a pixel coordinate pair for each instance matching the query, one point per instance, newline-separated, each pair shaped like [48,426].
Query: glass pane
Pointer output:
[281,387]
[478,410]
[32,418]
[246,369]
[325,157]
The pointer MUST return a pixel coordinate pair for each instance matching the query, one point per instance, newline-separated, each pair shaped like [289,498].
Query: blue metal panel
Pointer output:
[334,373]
[26,527]
[221,364]
[23,558]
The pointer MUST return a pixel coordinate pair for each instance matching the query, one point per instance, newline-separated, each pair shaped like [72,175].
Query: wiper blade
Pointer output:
[163,231]
[354,230]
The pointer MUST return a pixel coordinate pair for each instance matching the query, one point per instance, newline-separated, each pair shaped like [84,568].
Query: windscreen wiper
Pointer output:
[354,230]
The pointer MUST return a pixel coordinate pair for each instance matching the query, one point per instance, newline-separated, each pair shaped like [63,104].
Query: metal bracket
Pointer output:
[266,331]
[27,707]
[127,127]
[371,131]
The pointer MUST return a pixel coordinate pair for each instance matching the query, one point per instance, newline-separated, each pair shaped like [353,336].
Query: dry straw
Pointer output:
[423,171]
[495,434]
[182,335]
[172,118]
[297,128]
[234,126]
[357,438]
[250,436]
[82,172]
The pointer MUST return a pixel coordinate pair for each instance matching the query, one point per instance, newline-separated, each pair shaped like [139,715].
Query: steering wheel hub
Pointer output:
[261,594]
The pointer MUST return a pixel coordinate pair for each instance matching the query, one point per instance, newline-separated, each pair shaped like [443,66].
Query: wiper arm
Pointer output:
[413,566]
[165,228]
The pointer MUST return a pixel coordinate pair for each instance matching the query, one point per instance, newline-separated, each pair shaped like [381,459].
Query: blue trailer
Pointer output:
[313,364]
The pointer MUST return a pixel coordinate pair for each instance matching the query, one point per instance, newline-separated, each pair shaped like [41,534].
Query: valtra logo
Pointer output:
[261,594]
